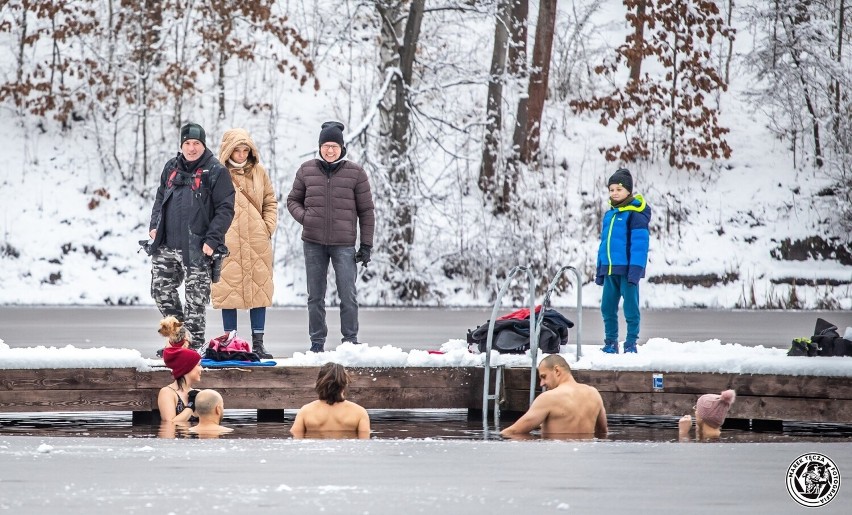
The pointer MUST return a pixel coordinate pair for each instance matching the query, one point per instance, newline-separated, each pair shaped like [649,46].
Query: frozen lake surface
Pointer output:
[149,475]
[417,461]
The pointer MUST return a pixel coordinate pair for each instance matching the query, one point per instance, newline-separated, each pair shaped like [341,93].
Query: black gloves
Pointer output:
[363,254]
[191,396]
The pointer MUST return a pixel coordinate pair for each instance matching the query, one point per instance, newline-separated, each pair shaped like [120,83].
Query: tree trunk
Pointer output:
[395,123]
[220,84]
[494,109]
[815,121]
[406,66]
[19,72]
[517,54]
[730,44]
[841,22]
[635,61]
[799,17]
[672,105]
[539,76]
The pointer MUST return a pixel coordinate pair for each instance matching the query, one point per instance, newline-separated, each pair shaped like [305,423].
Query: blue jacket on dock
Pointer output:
[624,241]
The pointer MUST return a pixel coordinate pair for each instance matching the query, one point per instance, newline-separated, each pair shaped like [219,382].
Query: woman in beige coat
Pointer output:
[246,281]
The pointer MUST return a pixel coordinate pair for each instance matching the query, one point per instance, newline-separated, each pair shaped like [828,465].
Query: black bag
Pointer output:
[826,341]
[512,335]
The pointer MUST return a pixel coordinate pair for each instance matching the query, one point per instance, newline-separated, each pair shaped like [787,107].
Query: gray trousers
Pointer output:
[342,258]
[167,274]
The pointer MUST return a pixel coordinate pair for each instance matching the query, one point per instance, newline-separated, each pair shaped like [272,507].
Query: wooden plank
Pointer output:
[275,377]
[253,398]
[153,380]
[66,379]
[747,407]
[77,400]
[412,398]
[701,383]
[259,377]
[769,397]
[743,384]
[413,377]
[371,398]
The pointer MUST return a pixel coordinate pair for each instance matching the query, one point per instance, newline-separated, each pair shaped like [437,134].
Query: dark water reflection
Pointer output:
[389,425]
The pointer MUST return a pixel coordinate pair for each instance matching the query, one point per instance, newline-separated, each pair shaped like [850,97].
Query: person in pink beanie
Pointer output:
[710,413]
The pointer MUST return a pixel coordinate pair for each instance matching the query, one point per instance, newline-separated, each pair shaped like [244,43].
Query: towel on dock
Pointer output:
[212,363]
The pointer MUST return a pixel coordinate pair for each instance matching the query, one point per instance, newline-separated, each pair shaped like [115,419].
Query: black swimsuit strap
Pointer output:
[179,406]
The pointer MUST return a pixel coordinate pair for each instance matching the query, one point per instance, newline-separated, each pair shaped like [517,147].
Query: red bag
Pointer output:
[229,342]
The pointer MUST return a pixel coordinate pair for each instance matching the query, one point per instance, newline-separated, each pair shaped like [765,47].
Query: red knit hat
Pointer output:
[180,360]
[712,409]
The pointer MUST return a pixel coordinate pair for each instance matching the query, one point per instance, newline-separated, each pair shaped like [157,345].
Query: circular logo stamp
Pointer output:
[813,480]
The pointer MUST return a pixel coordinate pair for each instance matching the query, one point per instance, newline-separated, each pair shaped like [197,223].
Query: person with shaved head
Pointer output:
[566,407]
[210,408]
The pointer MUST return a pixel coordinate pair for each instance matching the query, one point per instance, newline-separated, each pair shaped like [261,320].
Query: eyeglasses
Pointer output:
[330,146]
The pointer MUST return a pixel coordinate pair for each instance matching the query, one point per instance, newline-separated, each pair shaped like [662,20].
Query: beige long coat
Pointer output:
[247,272]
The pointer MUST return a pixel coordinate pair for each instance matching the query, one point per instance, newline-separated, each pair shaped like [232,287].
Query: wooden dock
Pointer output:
[273,389]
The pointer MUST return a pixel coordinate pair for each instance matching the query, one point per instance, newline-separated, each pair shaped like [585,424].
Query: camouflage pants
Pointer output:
[167,273]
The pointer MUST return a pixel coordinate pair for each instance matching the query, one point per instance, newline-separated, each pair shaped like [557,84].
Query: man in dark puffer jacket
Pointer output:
[331,199]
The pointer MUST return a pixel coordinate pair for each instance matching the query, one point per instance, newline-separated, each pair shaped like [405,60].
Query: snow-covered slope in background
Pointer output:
[70,230]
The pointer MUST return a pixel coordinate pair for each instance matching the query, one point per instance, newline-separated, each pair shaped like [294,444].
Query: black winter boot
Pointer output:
[257,346]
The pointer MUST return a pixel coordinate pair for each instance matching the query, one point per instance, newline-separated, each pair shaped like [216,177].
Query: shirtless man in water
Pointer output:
[565,407]
[210,409]
[331,415]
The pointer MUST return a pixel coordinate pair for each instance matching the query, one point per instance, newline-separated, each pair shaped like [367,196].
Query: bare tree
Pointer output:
[400,34]
[636,41]
[539,75]
[494,105]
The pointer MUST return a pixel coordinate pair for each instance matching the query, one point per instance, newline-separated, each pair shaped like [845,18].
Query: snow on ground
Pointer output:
[658,355]
[69,229]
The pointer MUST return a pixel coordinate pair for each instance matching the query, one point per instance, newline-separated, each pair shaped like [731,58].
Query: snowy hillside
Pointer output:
[728,235]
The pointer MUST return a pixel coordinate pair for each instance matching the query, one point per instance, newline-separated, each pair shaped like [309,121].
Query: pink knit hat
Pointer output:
[712,409]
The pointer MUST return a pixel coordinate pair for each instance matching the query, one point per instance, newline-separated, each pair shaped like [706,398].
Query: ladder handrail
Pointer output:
[546,302]
[490,339]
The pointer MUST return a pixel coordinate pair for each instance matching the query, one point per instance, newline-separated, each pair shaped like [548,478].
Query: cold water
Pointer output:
[393,425]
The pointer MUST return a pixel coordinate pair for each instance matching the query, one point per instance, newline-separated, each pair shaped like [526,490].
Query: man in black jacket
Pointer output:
[191,214]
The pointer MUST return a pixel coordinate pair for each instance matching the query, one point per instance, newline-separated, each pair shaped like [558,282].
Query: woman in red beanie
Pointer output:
[710,413]
[176,401]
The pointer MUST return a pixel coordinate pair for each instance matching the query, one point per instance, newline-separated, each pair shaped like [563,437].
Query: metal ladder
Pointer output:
[534,336]
[490,341]
[545,303]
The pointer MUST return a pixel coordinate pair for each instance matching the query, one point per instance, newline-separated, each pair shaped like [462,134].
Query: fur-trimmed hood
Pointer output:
[233,137]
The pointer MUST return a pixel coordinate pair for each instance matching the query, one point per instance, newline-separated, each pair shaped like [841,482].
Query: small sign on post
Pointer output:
[658,382]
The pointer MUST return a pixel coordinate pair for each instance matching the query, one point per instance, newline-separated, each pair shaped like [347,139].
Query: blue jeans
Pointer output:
[256,315]
[615,288]
[342,259]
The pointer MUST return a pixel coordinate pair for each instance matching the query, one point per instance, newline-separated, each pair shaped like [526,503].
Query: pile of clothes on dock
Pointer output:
[826,341]
[512,332]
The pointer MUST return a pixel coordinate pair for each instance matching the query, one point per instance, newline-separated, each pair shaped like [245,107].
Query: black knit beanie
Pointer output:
[332,132]
[193,131]
[621,176]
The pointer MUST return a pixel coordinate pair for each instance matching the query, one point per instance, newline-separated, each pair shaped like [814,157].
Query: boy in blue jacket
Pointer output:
[622,256]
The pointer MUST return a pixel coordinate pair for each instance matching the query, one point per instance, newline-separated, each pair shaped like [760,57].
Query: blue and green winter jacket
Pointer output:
[624,241]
